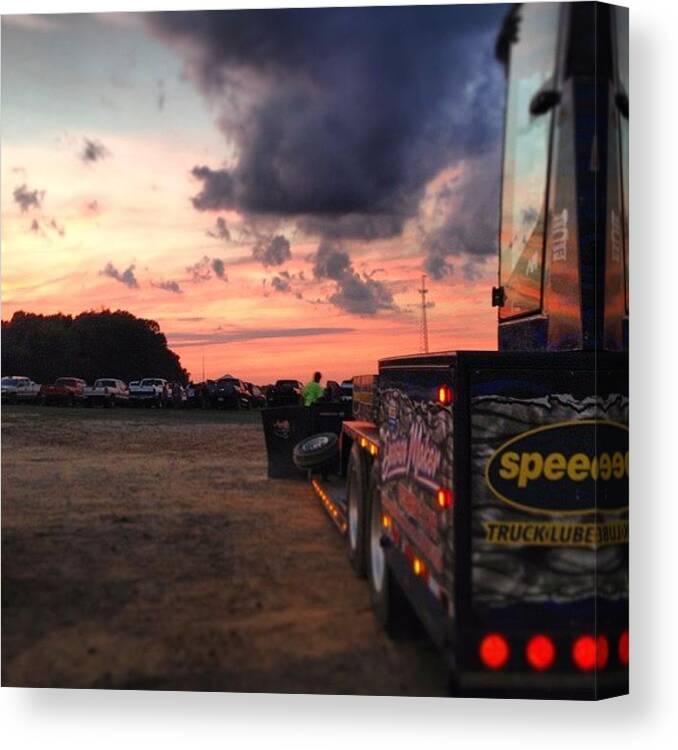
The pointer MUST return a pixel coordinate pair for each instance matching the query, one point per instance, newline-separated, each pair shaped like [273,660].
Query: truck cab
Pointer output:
[563,242]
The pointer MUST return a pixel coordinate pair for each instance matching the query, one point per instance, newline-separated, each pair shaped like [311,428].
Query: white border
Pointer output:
[105,719]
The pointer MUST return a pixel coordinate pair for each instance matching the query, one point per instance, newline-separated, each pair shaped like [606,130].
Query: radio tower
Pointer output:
[424,321]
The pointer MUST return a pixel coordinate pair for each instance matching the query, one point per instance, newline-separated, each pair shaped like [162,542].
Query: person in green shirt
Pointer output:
[312,390]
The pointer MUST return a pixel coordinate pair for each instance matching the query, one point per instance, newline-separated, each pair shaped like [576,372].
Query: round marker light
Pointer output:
[623,648]
[540,653]
[494,651]
[584,653]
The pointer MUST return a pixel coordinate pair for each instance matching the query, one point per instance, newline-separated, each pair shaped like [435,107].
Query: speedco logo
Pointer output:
[564,468]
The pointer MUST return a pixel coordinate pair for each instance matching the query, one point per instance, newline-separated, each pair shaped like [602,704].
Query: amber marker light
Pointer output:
[540,653]
[494,651]
[373,449]
[418,567]
[386,521]
[444,498]
[444,395]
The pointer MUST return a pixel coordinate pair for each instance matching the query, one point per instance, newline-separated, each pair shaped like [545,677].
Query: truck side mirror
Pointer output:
[622,102]
[544,101]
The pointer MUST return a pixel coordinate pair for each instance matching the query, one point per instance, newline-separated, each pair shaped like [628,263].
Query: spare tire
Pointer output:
[315,450]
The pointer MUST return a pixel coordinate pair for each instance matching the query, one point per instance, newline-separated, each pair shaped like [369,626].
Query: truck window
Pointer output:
[526,155]
[621,21]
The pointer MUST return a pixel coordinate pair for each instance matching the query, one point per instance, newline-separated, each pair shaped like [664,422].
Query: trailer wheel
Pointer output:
[356,498]
[315,450]
[388,601]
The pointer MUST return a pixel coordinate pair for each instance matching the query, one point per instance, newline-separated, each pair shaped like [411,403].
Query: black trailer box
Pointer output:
[534,447]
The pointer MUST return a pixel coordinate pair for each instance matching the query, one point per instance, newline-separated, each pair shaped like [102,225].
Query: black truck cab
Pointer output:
[563,244]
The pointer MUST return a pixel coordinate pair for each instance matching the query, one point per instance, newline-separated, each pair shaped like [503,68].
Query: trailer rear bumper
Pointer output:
[554,686]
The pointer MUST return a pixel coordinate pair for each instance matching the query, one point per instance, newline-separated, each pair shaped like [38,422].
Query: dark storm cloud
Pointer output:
[272,252]
[220,231]
[28,198]
[125,277]
[168,286]
[354,226]
[202,270]
[330,261]
[93,151]
[354,293]
[281,284]
[470,203]
[219,268]
[355,109]
[217,190]
[362,296]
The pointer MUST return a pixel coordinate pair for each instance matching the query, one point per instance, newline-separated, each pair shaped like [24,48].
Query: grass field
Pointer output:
[148,549]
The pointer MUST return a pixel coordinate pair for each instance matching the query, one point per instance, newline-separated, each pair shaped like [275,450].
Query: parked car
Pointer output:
[257,397]
[347,390]
[197,395]
[68,391]
[149,392]
[285,393]
[176,395]
[106,392]
[19,389]
[230,392]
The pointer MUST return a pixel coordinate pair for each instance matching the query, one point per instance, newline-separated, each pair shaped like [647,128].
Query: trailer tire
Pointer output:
[315,450]
[356,511]
[389,604]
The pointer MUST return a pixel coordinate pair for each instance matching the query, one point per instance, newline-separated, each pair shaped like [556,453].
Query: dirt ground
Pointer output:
[147,549]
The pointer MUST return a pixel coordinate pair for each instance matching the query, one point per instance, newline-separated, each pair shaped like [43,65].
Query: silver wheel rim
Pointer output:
[316,443]
[352,514]
[376,550]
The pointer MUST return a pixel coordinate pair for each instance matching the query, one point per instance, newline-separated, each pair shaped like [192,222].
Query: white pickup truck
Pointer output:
[149,392]
[107,392]
[19,389]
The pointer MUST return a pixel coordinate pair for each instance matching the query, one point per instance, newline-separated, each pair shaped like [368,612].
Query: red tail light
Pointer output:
[602,651]
[540,653]
[584,653]
[589,653]
[623,648]
[494,651]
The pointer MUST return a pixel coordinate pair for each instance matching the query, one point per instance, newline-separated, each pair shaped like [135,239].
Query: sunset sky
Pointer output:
[268,185]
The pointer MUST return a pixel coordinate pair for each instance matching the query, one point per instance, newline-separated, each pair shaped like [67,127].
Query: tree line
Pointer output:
[90,345]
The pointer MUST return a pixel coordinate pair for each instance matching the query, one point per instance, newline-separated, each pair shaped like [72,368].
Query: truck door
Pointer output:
[531,73]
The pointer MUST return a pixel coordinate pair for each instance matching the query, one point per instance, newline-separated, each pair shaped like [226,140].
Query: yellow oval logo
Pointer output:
[565,468]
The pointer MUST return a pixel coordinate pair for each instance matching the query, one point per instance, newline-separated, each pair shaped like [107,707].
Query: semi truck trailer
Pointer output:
[487,491]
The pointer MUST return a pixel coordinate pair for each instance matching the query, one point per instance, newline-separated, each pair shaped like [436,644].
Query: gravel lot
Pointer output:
[147,549]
